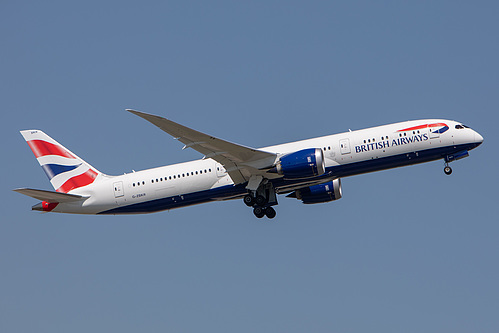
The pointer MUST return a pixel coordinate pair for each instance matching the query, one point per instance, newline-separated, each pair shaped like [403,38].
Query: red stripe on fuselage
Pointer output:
[422,126]
[84,179]
[43,148]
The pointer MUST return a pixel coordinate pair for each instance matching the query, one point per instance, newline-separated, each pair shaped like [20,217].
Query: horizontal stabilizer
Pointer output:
[49,196]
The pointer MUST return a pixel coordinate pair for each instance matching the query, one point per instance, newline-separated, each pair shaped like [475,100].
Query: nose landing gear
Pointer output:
[454,157]
[447,169]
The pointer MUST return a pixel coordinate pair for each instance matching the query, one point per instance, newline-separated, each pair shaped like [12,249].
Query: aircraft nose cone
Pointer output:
[478,138]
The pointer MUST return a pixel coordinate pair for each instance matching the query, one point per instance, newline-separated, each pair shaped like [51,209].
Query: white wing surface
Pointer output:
[49,196]
[240,162]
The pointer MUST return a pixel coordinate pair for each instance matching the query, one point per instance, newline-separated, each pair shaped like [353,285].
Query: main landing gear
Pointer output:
[262,199]
[260,206]
[264,211]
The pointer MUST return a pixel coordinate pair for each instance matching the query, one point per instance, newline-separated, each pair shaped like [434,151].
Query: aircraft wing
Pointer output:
[240,162]
[49,196]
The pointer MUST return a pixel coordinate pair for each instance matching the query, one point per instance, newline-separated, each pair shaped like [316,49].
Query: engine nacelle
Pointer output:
[301,164]
[320,193]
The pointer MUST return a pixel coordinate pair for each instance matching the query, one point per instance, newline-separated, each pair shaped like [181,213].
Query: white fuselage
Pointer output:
[205,180]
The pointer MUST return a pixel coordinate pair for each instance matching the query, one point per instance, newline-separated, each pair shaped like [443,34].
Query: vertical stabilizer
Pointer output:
[65,170]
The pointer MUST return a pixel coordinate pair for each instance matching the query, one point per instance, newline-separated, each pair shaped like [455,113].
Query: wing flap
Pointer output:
[49,196]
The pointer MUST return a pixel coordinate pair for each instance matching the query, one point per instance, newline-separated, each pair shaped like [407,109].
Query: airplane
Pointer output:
[309,170]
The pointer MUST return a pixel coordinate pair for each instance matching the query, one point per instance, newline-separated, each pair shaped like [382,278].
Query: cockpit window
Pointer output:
[465,126]
[459,127]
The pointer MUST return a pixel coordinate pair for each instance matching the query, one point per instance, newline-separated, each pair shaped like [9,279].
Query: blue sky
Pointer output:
[407,250]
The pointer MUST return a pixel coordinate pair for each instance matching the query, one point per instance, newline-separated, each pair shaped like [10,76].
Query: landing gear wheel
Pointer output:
[270,212]
[260,200]
[249,200]
[447,170]
[259,212]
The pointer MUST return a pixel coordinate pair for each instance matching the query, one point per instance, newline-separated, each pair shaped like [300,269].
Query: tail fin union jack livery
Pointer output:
[308,170]
[65,170]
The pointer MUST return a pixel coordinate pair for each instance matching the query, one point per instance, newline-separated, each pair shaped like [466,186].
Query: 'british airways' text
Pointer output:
[395,142]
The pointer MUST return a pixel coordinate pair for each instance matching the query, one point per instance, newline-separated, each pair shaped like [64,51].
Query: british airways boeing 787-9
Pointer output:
[308,170]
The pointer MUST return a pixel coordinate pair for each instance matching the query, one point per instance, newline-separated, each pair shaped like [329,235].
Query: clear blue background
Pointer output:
[406,250]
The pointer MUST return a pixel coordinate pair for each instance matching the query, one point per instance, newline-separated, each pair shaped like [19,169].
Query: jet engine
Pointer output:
[301,164]
[319,193]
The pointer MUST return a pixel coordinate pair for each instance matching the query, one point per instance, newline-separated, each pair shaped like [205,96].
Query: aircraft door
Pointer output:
[220,170]
[118,189]
[434,133]
[345,146]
